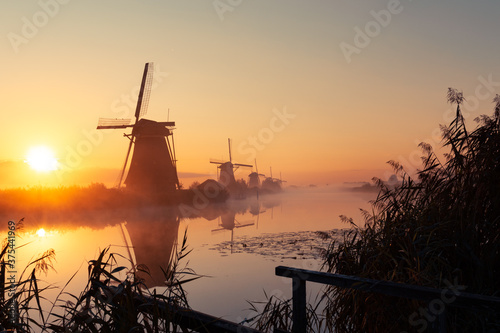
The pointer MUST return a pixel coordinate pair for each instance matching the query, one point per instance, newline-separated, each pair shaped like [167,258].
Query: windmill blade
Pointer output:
[170,124]
[219,230]
[111,123]
[243,165]
[216,161]
[244,225]
[229,143]
[128,246]
[126,161]
[145,92]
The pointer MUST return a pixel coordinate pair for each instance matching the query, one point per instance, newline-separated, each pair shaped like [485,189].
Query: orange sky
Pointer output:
[323,92]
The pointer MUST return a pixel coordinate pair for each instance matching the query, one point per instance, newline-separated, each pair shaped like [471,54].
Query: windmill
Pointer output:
[272,184]
[153,165]
[254,178]
[280,180]
[226,169]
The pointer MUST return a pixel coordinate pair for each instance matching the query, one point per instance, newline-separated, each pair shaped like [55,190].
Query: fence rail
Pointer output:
[192,320]
[300,276]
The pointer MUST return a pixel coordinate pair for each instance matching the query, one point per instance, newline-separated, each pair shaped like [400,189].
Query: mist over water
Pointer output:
[236,245]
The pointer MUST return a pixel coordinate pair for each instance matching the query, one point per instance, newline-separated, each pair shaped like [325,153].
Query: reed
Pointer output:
[275,313]
[439,229]
[110,303]
[442,227]
[24,295]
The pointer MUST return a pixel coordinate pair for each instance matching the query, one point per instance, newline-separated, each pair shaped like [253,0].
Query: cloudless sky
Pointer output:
[225,69]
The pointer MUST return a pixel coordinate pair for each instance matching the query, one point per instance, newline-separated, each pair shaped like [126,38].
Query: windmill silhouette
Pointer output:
[153,166]
[280,180]
[225,170]
[272,184]
[254,177]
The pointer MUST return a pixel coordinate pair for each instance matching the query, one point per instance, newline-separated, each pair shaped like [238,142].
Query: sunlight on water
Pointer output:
[239,256]
[235,246]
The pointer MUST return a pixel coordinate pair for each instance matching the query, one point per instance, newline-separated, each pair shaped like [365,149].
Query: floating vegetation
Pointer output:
[286,245]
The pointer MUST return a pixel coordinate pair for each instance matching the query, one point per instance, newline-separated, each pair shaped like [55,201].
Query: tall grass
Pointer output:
[442,227]
[115,298]
[24,295]
[110,303]
[276,314]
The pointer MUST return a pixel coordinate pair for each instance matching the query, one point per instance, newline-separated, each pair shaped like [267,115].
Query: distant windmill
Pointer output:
[280,180]
[272,184]
[226,169]
[153,165]
[254,178]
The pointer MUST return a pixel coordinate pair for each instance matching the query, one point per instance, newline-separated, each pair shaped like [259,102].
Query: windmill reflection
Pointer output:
[150,233]
[227,221]
[153,236]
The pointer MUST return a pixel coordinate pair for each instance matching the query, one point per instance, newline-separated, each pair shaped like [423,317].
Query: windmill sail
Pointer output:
[112,123]
[145,92]
[153,166]
[226,174]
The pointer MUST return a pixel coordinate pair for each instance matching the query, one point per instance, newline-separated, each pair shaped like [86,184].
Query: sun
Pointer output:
[41,232]
[41,158]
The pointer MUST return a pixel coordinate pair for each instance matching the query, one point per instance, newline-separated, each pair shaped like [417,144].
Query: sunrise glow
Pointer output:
[41,158]
[41,232]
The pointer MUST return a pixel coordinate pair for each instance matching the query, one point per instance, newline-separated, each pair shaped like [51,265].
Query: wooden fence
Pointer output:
[300,276]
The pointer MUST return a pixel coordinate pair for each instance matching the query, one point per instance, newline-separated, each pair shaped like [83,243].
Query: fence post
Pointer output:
[299,315]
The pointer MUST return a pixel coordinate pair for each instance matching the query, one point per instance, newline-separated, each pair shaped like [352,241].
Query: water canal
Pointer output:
[235,248]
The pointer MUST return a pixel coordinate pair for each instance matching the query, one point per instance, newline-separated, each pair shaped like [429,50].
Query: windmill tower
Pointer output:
[254,178]
[226,169]
[153,166]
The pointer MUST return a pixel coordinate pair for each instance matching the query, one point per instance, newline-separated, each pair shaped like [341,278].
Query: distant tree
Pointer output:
[194,185]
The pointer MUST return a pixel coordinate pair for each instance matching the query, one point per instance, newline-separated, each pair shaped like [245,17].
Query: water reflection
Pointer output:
[148,236]
[153,236]
[227,221]
[271,230]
